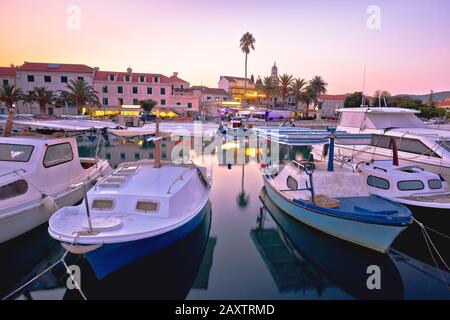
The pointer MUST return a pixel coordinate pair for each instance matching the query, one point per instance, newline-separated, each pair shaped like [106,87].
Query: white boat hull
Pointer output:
[32,213]
[433,165]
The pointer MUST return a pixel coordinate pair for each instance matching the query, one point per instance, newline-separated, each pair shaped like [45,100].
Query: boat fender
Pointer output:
[49,203]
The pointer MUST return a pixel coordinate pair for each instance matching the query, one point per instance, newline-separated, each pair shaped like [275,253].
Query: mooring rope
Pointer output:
[77,285]
[429,242]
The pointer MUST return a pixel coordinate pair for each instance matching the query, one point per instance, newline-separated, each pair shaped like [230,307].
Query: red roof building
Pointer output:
[55,67]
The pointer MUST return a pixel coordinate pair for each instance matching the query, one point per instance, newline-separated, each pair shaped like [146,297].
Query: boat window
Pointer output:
[15,152]
[100,204]
[409,185]
[435,184]
[403,144]
[444,144]
[378,182]
[292,183]
[13,189]
[147,206]
[58,154]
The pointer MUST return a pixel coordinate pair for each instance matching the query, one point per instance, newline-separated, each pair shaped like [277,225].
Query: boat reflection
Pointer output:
[25,256]
[167,274]
[322,260]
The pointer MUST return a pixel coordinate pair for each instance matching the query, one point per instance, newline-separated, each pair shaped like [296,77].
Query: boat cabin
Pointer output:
[26,160]
[382,177]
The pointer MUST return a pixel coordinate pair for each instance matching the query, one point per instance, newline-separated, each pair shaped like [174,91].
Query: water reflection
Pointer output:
[309,253]
[242,198]
[256,255]
[167,274]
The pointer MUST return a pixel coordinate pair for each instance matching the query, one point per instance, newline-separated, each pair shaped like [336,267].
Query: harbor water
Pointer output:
[245,248]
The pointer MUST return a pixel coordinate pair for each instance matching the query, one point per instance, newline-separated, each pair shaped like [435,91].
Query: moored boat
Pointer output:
[335,201]
[425,193]
[41,171]
[138,209]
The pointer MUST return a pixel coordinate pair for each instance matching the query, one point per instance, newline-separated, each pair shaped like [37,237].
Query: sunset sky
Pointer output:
[410,53]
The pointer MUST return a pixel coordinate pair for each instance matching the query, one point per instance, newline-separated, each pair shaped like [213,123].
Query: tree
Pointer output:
[9,94]
[318,87]
[147,105]
[42,96]
[247,44]
[311,97]
[298,91]
[81,94]
[405,102]
[28,99]
[285,82]
[379,98]
[354,100]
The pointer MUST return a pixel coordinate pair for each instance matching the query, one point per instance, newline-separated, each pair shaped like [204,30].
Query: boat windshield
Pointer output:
[444,144]
[15,152]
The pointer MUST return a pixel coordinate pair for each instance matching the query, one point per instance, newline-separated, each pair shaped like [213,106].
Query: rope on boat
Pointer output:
[29,282]
[430,246]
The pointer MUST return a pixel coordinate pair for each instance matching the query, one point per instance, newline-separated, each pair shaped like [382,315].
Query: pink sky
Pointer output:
[200,39]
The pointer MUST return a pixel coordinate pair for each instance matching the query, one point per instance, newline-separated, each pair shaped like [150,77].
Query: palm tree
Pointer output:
[9,94]
[313,97]
[81,94]
[43,97]
[147,105]
[28,99]
[318,86]
[298,91]
[62,100]
[247,43]
[285,81]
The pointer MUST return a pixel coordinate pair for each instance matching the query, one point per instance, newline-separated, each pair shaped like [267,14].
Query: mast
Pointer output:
[395,161]
[157,143]
[363,102]
[331,150]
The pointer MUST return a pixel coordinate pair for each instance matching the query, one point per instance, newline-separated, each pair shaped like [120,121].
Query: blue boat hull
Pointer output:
[377,237]
[112,257]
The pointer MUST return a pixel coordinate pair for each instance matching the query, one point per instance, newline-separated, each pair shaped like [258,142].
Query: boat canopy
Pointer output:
[63,125]
[301,136]
[169,129]
[380,118]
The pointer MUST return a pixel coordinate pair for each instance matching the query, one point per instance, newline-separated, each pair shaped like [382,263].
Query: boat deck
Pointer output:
[429,198]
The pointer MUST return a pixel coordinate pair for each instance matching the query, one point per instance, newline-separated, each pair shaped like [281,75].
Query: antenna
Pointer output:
[363,102]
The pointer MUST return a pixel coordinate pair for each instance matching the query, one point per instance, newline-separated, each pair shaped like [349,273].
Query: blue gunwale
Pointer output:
[399,218]
[385,217]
